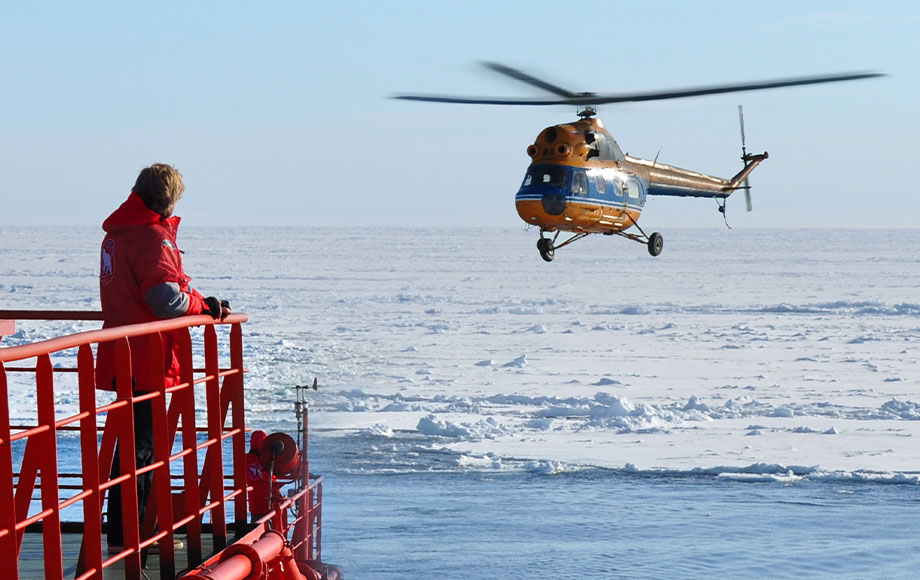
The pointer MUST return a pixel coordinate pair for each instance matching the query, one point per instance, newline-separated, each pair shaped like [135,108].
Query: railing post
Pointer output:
[124,425]
[302,536]
[186,404]
[161,494]
[51,524]
[91,551]
[307,553]
[303,531]
[8,544]
[318,508]
[235,383]
[215,431]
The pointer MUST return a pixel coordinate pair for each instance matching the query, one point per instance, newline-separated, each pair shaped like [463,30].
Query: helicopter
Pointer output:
[579,180]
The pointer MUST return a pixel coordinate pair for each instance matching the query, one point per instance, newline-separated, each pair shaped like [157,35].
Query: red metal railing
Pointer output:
[198,507]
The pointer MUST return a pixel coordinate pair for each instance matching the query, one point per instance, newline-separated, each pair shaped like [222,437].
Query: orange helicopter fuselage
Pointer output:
[580,181]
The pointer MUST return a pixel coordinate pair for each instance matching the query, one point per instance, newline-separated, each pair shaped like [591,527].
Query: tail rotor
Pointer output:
[744,157]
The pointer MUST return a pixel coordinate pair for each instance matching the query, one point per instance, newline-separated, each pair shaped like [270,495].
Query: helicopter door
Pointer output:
[621,189]
[633,190]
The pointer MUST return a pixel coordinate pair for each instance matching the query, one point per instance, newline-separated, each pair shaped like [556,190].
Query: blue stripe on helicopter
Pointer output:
[678,191]
[580,200]
[595,202]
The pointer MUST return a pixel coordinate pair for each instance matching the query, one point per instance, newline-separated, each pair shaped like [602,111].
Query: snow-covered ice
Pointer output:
[747,354]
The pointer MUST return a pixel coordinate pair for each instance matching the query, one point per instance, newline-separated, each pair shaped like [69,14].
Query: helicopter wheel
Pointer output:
[655,243]
[547,251]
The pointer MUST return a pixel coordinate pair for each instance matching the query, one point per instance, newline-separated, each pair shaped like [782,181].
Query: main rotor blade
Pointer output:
[593,99]
[487,100]
[755,86]
[530,80]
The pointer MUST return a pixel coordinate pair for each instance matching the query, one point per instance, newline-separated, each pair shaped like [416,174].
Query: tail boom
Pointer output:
[750,162]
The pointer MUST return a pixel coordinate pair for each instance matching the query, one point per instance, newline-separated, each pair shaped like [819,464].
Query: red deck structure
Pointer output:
[199,471]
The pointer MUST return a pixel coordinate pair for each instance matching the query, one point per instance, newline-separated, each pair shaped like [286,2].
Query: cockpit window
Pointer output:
[551,175]
[607,149]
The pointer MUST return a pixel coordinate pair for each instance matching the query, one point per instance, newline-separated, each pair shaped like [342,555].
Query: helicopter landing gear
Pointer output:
[548,246]
[547,250]
[655,243]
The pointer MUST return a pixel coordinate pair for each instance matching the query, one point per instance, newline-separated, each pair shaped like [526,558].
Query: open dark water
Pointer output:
[605,524]
[420,517]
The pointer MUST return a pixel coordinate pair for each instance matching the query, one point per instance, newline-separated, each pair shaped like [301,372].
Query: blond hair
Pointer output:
[160,187]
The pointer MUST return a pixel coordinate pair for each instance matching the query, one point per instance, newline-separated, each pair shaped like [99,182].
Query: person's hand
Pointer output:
[225,309]
[216,308]
[211,307]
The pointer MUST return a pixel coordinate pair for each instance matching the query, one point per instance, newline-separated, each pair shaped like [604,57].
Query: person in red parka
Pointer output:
[257,478]
[141,280]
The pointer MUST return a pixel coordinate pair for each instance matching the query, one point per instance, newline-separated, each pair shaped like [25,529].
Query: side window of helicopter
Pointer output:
[601,183]
[579,183]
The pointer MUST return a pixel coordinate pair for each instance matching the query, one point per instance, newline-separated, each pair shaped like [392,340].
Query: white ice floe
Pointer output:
[483,429]
[519,362]
[379,430]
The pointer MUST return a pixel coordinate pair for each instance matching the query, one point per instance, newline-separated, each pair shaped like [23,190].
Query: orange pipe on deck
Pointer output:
[287,568]
[244,561]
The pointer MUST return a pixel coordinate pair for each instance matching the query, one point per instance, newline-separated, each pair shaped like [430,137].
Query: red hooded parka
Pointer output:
[141,280]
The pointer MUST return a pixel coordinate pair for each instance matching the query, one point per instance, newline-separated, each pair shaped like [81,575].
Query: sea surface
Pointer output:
[597,523]
[743,406]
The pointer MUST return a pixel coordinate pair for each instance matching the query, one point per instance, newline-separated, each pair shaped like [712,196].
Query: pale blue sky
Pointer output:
[278,112]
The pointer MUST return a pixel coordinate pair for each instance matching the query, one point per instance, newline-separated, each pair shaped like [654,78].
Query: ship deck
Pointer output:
[32,561]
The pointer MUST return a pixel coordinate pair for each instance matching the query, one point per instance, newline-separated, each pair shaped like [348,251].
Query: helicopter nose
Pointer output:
[553,203]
